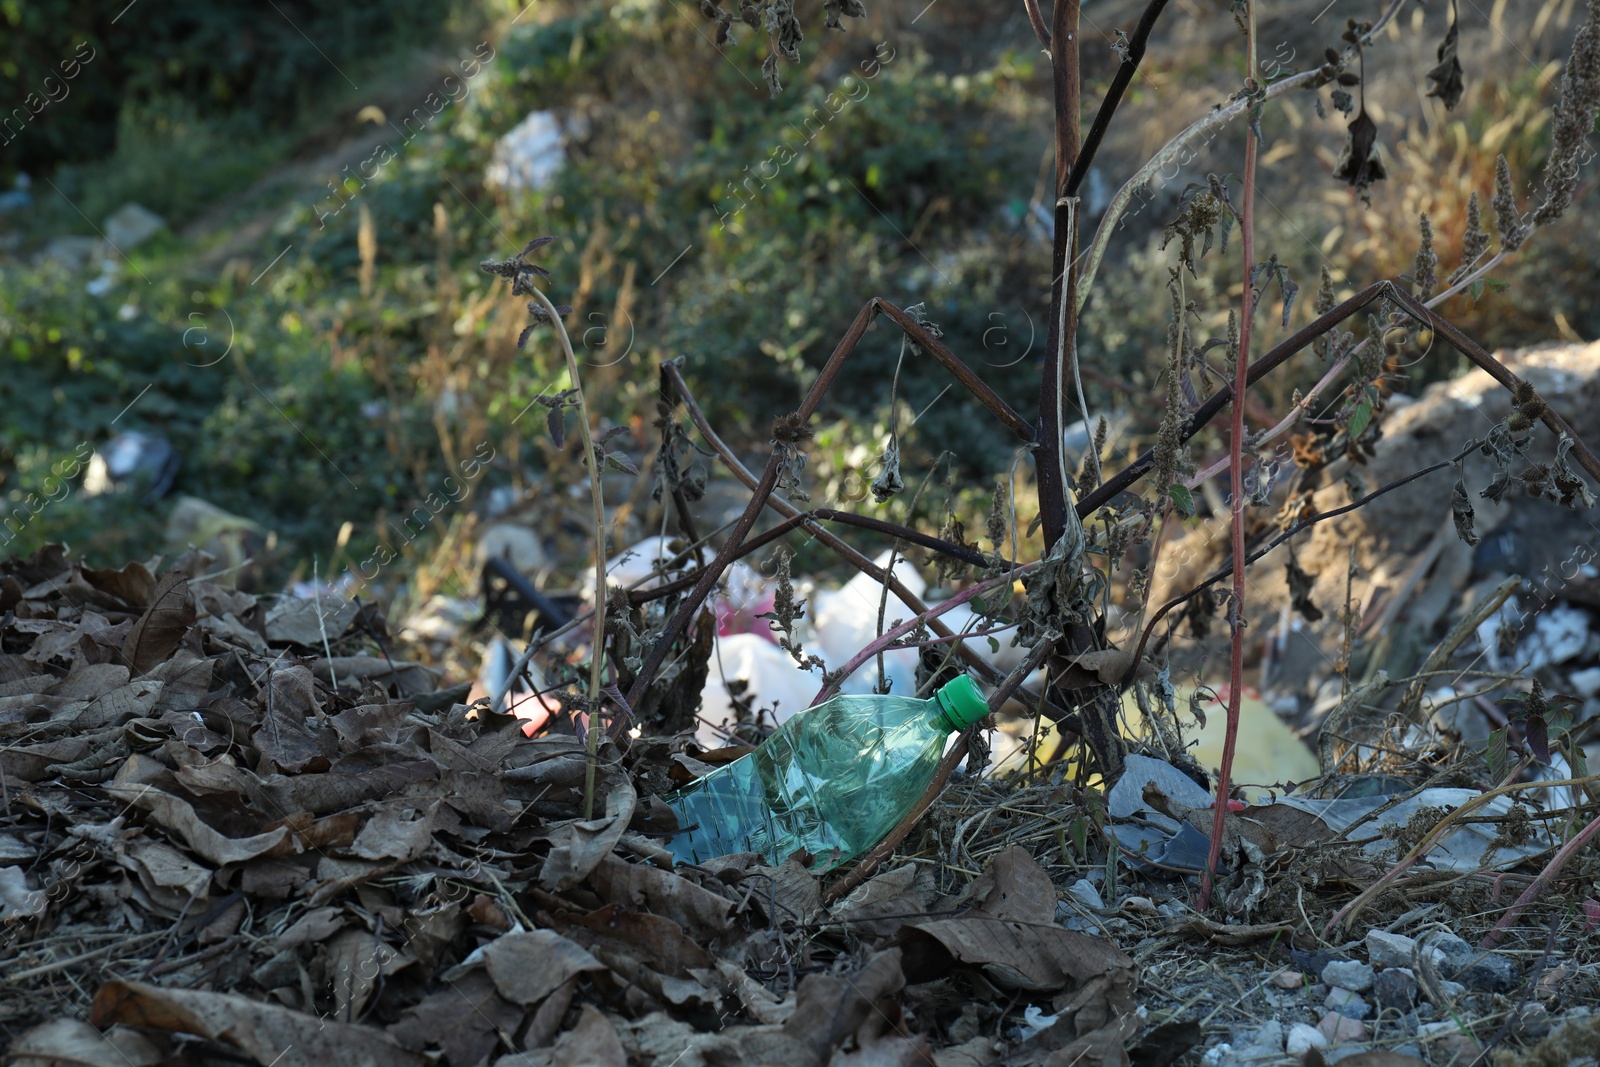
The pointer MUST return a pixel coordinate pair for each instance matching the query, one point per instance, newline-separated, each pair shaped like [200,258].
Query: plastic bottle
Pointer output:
[833,780]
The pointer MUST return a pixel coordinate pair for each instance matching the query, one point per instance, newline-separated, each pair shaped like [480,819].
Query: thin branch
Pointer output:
[959,370]
[597,655]
[1227,569]
[1119,85]
[1040,29]
[1169,153]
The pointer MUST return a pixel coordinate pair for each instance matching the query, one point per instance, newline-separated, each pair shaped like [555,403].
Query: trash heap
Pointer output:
[246,829]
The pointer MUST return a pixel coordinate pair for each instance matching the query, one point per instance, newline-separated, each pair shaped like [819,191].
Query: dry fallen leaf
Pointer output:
[265,1032]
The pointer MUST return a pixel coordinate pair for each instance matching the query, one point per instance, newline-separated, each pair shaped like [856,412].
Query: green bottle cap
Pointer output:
[961,702]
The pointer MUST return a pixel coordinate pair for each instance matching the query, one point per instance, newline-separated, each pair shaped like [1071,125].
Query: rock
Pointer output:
[1338,1029]
[1395,988]
[1288,978]
[1347,1003]
[1447,1044]
[230,538]
[131,225]
[1302,1038]
[1348,974]
[1389,950]
[1269,1035]
[1086,894]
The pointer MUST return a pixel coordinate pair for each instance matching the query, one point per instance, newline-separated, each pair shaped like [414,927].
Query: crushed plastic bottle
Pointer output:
[833,780]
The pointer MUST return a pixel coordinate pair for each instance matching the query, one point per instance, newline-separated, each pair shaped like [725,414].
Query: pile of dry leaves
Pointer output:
[223,840]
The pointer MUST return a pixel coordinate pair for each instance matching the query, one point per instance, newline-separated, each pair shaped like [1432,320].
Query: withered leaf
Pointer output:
[157,632]
[1446,76]
[1360,164]
[266,1033]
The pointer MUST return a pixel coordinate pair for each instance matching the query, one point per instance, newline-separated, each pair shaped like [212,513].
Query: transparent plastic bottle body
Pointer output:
[835,777]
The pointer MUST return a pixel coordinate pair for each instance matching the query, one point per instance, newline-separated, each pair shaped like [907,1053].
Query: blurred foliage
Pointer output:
[272,61]
[694,217]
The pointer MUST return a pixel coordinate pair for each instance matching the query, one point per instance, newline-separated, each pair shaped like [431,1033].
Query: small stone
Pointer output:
[1288,979]
[1389,950]
[1347,1003]
[1302,1038]
[1447,1044]
[1086,894]
[1533,1021]
[1269,1035]
[1395,988]
[1348,974]
[1451,950]
[1338,1029]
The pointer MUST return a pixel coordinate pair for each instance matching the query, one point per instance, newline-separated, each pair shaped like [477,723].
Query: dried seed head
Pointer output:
[791,429]
[1474,242]
[1512,231]
[1573,118]
[1427,260]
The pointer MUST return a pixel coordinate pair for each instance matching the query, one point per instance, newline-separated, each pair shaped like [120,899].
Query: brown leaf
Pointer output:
[178,817]
[528,965]
[308,621]
[1025,956]
[133,588]
[785,894]
[157,632]
[467,1020]
[831,1008]
[581,844]
[702,913]
[882,905]
[71,1042]
[286,735]
[1446,76]
[654,939]
[266,1033]
[1016,887]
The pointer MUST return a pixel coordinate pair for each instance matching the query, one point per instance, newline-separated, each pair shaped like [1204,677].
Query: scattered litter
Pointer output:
[135,462]
[528,157]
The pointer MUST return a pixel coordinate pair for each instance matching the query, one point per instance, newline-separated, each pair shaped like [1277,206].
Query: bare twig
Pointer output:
[1241,372]
[597,501]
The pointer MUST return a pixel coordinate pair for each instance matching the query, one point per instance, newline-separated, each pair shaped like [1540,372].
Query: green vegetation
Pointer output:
[694,217]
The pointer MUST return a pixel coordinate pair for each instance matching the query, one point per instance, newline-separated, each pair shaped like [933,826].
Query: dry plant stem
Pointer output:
[1169,153]
[709,575]
[889,637]
[1347,914]
[962,373]
[825,537]
[1119,85]
[1280,354]
[885,848]
[1060,363]
[1041,29]
[1541,882]
[1241,373]
[597,655]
